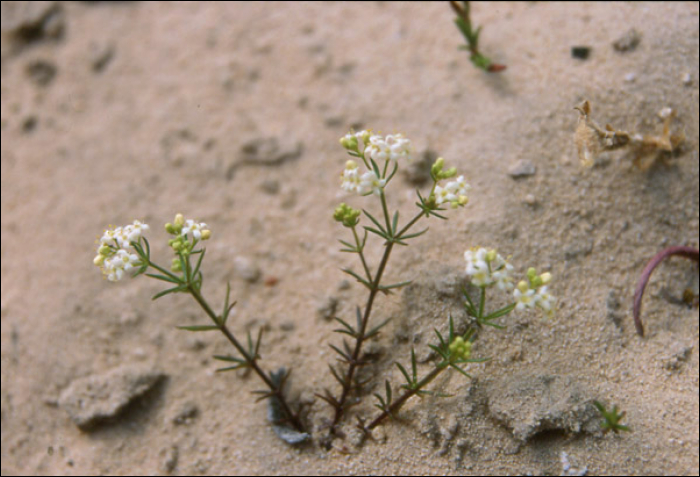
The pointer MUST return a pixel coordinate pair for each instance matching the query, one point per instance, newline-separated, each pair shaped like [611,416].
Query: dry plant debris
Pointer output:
[591,140]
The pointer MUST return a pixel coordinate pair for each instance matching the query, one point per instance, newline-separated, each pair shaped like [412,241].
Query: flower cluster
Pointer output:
[455,192]
[487,267]
[533,293]
[373,149]
[364,184]
[345,214]
[460,349]
[379,148]
[115,252]
[182,230]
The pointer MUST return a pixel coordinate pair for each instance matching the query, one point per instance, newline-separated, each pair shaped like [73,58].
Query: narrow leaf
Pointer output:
[198,328]
[375,221]
[498,313]
[346,358]
[199,262]
[376,329]
[414,235]
[357,277]
[460,370]
[405,374]
[169,291]
[164,278]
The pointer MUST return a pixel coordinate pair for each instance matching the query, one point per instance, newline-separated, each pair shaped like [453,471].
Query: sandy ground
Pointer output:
[142,110]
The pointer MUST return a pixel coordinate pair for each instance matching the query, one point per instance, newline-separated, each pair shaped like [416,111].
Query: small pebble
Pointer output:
[580,52]
[687,79]
[628,41]
[530,199]
[522,168]
[630,77]
[665,112]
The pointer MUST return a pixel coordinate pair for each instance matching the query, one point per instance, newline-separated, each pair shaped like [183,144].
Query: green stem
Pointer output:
[251,360]
[481,304]
[396,405]
[360,252]
[355,358]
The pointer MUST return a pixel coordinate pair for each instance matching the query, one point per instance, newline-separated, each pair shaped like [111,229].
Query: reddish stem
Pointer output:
[687,252]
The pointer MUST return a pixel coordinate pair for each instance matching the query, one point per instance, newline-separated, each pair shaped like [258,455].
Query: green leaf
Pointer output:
[229,359]
[198,328]
[388,392]
[336,375]
[405,374]
[233,368]
[377,232]
[348,329]
[395,285]
[413,365]
[199,262]
[498,313]
[395,223]
[345,356]
[417,234]
[226,310]
[169,291]
[164,278]
[357,277]
[375,221]
[460,370]
[376,329]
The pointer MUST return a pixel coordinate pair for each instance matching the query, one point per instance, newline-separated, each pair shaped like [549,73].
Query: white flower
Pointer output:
[488,268]
[377,149]
[545,301]
[524,296]
[370,183]
[121,261]
[196,228]
[531,295]
[134,232]
[351,177]
[392,147]
[399,147]
[455,192]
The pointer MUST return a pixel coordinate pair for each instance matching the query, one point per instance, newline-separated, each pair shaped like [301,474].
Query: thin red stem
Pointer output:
[687,252]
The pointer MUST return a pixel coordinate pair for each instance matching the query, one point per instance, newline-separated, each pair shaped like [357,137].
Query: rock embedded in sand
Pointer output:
[94,399]
[532,403]
[522,168]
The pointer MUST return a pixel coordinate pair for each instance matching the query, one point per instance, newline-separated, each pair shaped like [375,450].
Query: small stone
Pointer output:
[522,168]
[270,186]
[94,399]
[580,52]
[101,55]
[628,41]
[378,434]
[665,112]
[630,77]
[29,124]
[328,307]
[676,355]
[687,79]
[530,199]
[246,269]
[185,413]
[169,457]
[41,72]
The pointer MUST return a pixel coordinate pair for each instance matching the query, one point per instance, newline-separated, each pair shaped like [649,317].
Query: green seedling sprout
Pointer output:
[464,23]
[611,418]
